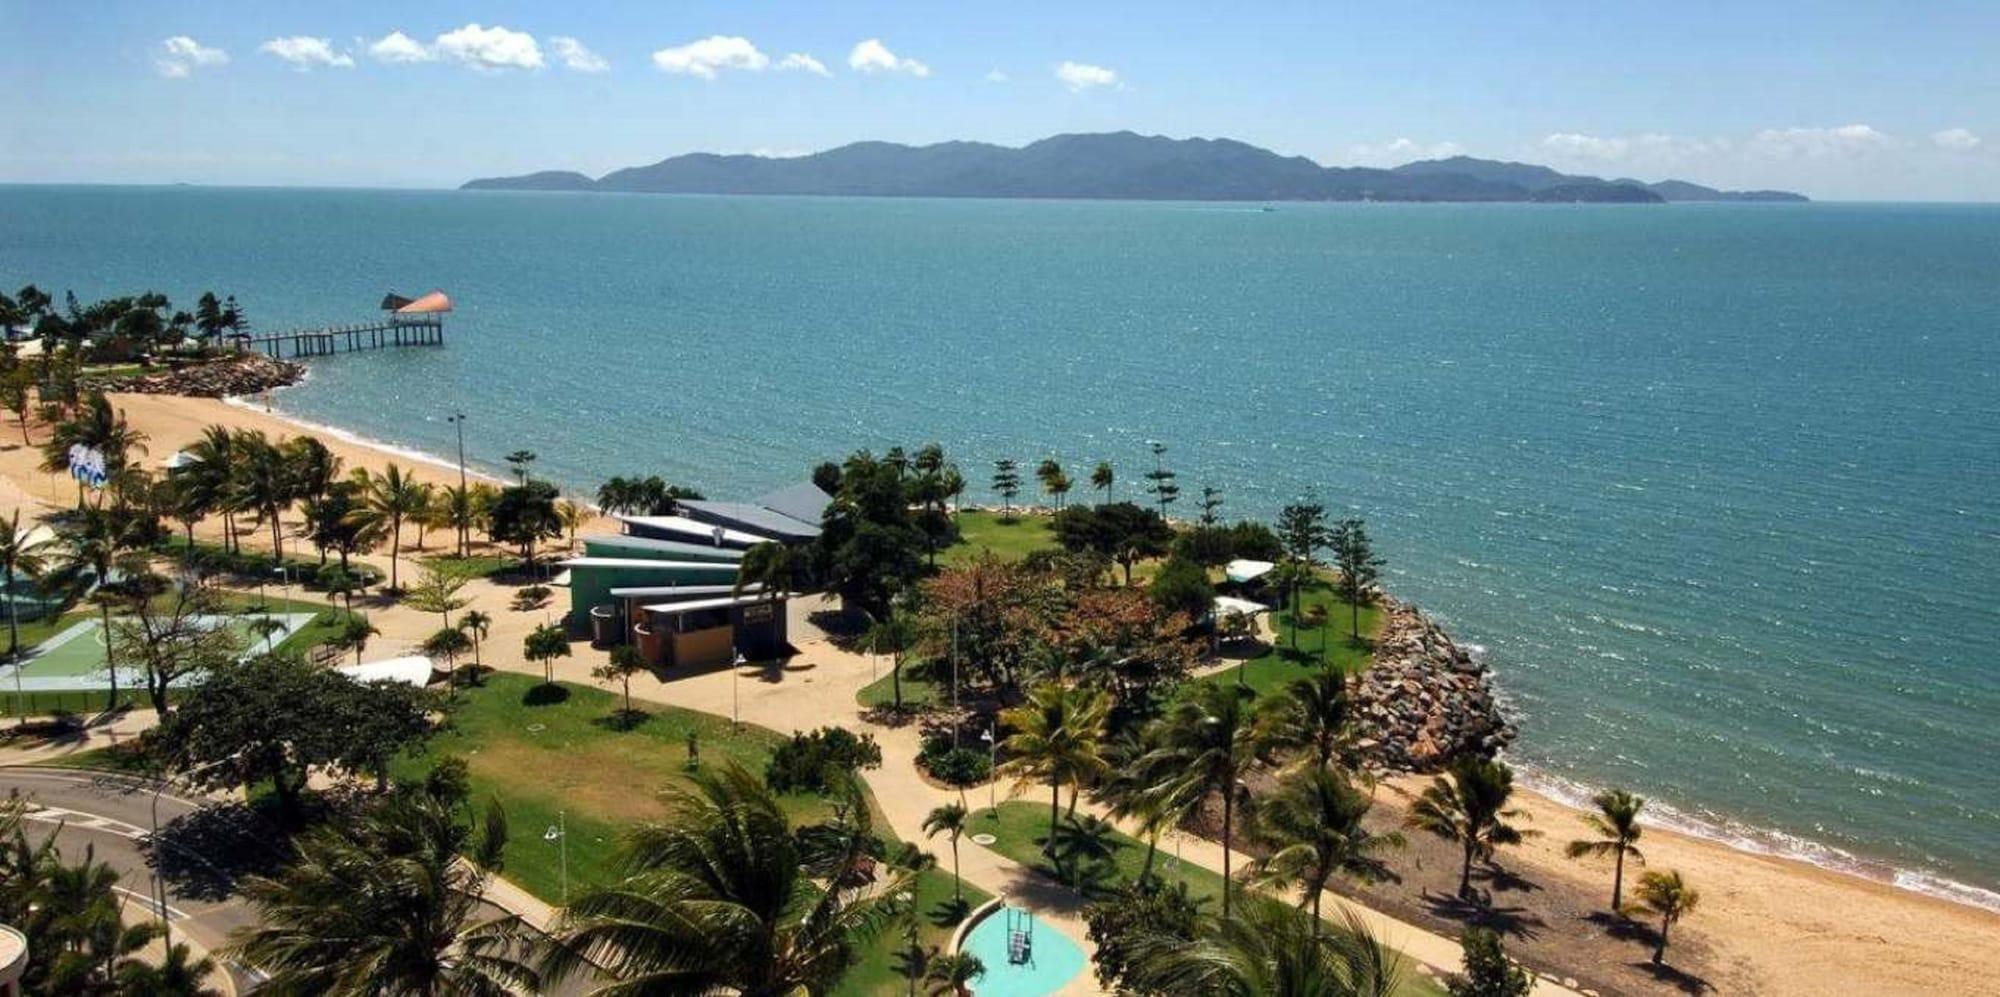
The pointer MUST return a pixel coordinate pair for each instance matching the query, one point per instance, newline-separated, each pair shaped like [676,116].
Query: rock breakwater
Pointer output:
[243,374]
[1424,700]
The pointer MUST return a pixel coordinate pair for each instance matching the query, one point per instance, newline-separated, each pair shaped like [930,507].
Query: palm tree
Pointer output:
[1103,477]
[1469,806]
[179,974]
[390,498]
[769,566]
[545,644]
[949,819]
[265,485]
[100,427]
[1616,824]
[1129,791]
[387,904]
[24,554]
[476,625]
[718,900]
[1311,826]
[1670,897]
[1266,950]
[95,538]
[572,515]
[952,975]
[1311,716]
[212,472]
[1206,743]
[1057,735]
[314,467]
[1050,473]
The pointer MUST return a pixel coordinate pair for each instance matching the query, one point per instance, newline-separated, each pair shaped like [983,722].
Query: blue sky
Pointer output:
[1841,100]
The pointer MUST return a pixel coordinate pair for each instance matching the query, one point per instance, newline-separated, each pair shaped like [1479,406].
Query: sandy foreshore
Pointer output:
[1766,925]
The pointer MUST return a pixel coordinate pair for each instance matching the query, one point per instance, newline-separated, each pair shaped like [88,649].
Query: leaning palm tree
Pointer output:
[387,904]
[389,500]
[1057,739]
[953,975]
[1266,950]
[949,820]
[1310,718]
[716,900]
[211,472]
[1669,896]
[1616,826]
[1469,806]
[1206,744]
[1130,791]
[24,555]
[1311,826]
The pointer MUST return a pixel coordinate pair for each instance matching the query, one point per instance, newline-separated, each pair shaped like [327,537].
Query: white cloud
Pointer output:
[305,52]
[996,76]
[399,47]
[710,55]
[576,56]
[1647,148]
[1398,151]
[180,56]
[1080,76]
[1845,140]
[493,48]
[804,63]
[871,56]
[1956,140]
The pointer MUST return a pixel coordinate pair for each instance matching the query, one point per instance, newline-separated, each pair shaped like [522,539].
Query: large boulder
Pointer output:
[1424,700]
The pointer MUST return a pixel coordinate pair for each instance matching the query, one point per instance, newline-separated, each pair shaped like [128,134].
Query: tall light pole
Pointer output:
[559,833]
[735,695]
[992,736]
[458,419]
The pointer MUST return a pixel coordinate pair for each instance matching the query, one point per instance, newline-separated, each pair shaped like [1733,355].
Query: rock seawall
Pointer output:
[244,374]
[1424,700]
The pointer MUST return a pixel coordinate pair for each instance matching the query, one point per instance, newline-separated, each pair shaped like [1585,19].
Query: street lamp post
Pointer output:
[559,833]
[458,419]
[735,693]
[992,736]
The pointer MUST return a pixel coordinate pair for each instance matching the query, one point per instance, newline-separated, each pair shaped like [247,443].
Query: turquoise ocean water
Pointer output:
[1717,487]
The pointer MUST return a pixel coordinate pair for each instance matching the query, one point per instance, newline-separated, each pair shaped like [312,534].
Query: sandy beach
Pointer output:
[1766,925]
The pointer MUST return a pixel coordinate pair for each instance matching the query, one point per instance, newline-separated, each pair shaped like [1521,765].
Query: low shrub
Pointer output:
[813,762]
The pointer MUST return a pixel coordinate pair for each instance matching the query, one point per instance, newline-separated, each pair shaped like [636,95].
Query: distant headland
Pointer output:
[1115,166]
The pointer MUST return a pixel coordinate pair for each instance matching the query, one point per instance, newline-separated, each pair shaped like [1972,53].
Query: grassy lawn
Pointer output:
[877,972]
[1010,540]
[566,757]
[539,758]
[916,691]
[1269,671]
[472,566]
[1022,825]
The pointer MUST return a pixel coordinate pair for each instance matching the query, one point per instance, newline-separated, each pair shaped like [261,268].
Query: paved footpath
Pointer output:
[820,688]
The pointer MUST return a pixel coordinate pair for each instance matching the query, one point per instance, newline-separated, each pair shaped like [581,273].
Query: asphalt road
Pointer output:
[112,816]
[204,850]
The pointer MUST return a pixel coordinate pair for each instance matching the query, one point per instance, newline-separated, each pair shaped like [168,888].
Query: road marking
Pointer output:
[85,821]
[173,913]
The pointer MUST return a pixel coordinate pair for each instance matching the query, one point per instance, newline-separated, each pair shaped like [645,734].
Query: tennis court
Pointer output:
[74,658]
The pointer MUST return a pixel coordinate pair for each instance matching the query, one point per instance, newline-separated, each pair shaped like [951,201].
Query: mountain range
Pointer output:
[1115,166]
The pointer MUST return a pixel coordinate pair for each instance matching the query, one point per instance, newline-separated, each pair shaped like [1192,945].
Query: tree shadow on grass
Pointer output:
[949,912]
[1506,881]
[1623,928]
[545,695]
[622,721]
[205,854]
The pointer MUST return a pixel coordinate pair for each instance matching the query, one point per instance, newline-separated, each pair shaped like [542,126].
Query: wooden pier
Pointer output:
[411,331]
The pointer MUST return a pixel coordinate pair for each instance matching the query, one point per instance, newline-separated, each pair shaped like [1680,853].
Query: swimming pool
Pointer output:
[1052,959]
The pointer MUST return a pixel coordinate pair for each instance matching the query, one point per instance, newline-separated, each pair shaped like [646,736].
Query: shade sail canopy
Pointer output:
[1241,571]
[434,303]
[1224,605]
[414,671]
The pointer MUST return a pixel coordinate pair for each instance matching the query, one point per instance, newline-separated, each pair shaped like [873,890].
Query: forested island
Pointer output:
[1114,166]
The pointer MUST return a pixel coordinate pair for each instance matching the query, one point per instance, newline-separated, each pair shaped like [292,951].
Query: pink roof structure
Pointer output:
[430,304]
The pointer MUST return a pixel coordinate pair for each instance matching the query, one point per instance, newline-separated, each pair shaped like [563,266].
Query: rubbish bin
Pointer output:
[604,629]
